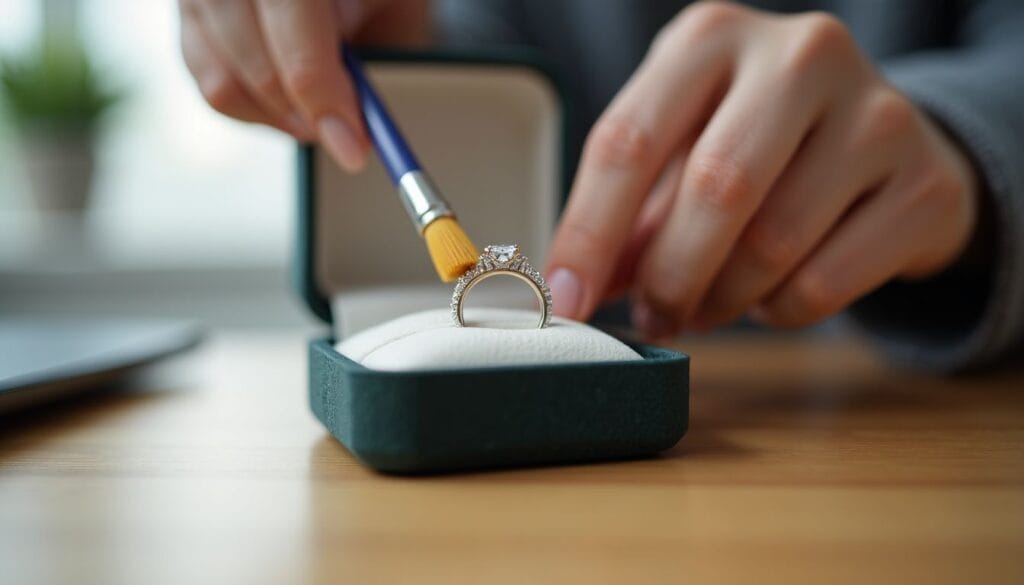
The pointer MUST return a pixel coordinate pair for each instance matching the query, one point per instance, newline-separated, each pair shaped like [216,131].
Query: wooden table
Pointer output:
[806,461]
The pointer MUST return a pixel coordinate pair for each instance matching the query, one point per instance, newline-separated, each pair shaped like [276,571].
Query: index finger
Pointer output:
[660,105]
[303,40]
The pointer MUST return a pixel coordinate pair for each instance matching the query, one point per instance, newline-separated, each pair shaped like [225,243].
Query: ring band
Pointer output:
[501,260]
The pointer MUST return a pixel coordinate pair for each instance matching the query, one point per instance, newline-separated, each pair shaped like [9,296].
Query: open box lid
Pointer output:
[490,130]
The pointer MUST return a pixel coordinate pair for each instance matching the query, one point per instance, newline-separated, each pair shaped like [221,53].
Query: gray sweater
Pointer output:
[961,61]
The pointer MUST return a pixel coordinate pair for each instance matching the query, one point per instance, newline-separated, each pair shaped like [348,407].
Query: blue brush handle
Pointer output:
[391,146]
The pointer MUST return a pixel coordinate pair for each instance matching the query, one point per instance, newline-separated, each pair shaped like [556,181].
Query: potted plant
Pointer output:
[56,101]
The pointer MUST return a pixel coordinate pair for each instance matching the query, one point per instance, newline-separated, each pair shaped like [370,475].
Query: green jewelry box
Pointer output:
[492,131]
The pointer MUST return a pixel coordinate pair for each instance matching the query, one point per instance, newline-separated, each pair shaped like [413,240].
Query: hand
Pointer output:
[276,62]
[758,164]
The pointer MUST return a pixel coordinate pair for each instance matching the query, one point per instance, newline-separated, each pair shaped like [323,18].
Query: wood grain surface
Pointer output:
[807,461]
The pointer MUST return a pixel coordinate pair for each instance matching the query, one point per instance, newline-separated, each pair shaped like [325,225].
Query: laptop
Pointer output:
[45,358]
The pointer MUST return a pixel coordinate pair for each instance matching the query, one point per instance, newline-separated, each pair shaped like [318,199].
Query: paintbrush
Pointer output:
[451,250]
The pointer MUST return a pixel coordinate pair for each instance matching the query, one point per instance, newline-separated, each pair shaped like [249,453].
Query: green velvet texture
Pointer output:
[435,421]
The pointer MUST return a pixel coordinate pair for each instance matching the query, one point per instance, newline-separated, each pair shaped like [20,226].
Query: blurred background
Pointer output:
[121,192]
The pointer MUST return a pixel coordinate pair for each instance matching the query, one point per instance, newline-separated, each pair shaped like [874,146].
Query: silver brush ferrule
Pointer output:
[421,199]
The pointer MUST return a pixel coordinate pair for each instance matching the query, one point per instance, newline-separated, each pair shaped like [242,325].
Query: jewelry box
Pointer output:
[492,130]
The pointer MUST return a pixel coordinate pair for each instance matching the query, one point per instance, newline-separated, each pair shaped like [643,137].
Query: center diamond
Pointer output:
[503,252]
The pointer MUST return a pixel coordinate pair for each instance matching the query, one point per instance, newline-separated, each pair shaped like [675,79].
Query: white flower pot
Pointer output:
[60,167]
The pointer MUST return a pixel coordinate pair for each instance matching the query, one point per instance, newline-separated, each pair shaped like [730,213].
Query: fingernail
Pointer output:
[339,140]
[298,127]
[566,292]
[650,322]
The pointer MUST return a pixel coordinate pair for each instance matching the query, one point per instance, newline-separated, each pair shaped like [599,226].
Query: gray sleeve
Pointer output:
[972,315]
[463,23]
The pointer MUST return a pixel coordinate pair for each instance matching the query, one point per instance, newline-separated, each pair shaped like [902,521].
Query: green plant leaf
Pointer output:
[55,85]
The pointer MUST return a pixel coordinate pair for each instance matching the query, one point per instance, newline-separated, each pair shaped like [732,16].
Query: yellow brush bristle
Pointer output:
[450,248]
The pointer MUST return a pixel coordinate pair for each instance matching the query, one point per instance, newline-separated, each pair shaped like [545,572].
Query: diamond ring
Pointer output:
[498,260]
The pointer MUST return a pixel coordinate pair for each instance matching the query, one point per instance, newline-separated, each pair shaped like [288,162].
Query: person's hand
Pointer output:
[756,164]
[277,63]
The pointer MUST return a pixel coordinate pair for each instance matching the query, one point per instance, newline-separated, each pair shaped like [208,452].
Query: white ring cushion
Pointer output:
[492,337]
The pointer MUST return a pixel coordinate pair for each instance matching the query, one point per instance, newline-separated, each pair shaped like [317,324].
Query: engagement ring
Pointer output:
[498,260]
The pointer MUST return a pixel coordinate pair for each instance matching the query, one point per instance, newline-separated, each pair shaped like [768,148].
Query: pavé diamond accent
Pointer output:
[498,259]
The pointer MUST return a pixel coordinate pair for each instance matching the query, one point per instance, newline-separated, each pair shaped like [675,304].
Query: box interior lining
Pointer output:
[490,136]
